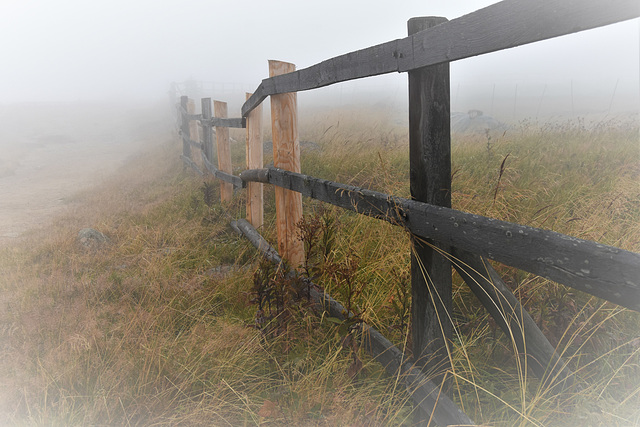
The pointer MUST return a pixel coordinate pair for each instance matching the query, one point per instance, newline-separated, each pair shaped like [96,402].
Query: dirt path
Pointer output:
[50,152]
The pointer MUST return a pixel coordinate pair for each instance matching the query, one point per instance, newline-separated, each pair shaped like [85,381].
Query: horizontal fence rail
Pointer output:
[239,122]
[229,123]
[457,239]
[604,271]
[424,392]
[226,177]
[504,25]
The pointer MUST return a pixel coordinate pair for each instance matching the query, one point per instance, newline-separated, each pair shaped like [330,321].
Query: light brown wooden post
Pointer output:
[255,212]
[286,155]
[224,152]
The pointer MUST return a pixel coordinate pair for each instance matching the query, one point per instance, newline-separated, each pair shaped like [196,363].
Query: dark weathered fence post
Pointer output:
[184,128]
[254,154]
[194,135]
[286,155]
[430,176]
[207,132]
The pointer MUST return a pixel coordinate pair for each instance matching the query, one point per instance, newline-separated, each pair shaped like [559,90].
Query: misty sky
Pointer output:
[66,50]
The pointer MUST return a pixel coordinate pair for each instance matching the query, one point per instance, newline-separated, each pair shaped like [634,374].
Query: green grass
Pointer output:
[158,326]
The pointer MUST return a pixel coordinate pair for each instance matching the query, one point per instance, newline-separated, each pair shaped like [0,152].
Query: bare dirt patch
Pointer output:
[48,153]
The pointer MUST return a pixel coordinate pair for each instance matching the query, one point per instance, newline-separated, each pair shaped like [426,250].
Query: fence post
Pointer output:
[224,153]
[255,212]
[430,182]
[286,155]
[184,128]
[207,134]
[194,135]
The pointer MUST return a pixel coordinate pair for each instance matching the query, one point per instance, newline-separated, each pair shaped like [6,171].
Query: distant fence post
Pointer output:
[255,212]
[184,128]
[224,152]
[194,135]
[430,176]
[207,133]
[286,155]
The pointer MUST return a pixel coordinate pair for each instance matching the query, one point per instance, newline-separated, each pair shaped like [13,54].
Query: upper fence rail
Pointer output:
[464,240]
[504,25]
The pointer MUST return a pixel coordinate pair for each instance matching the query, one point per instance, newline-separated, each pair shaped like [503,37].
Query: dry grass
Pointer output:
[157,327]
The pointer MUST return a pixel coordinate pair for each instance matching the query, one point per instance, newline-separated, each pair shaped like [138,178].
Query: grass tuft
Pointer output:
[158,326]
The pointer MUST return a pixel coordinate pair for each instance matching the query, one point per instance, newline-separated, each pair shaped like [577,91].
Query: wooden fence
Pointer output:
[442,238]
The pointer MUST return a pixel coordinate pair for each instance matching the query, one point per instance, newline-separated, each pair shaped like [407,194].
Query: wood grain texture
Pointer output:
[512,23]
[194,133]
[503,25]
[236,181]
[187,161]
[195,144]
[430,182]
[254,100]
[225,122]
[286,155]
[600,270]
[185,130]
[224,151]
[424,393]
[207,131]
[255,160]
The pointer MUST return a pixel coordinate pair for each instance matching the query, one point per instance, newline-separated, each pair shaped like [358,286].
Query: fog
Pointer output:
[81,79]
[127,51]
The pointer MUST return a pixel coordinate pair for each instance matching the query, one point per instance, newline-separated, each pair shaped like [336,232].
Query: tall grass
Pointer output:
[157,327]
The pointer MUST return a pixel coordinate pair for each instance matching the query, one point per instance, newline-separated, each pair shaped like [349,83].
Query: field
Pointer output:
[161,325]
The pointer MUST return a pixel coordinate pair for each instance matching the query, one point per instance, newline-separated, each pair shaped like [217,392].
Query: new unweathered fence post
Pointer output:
[255,213]
[207,133]
[286,155]
[224,153]
[184,128]
[430,176]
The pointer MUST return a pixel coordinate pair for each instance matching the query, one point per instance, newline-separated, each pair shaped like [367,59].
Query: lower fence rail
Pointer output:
[424,393]
[607,272]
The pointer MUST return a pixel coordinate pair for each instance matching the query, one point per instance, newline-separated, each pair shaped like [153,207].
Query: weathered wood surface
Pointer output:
[224,151]
[185,131]
[194,133]
[286,155]
[255,160]
[503,25]
[513,319]
[226,177]
[254,100]
[424,393]
[207,132]
[195,144]
[225,122]
[601,270]
[187,161]
[430,182]
[258,241]
[512,23]
[255,175]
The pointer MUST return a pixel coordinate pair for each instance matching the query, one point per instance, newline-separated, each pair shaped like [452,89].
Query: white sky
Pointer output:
[118,49]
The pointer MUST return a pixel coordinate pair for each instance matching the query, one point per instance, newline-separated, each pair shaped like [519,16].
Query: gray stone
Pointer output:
[91,238]
[475,122]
